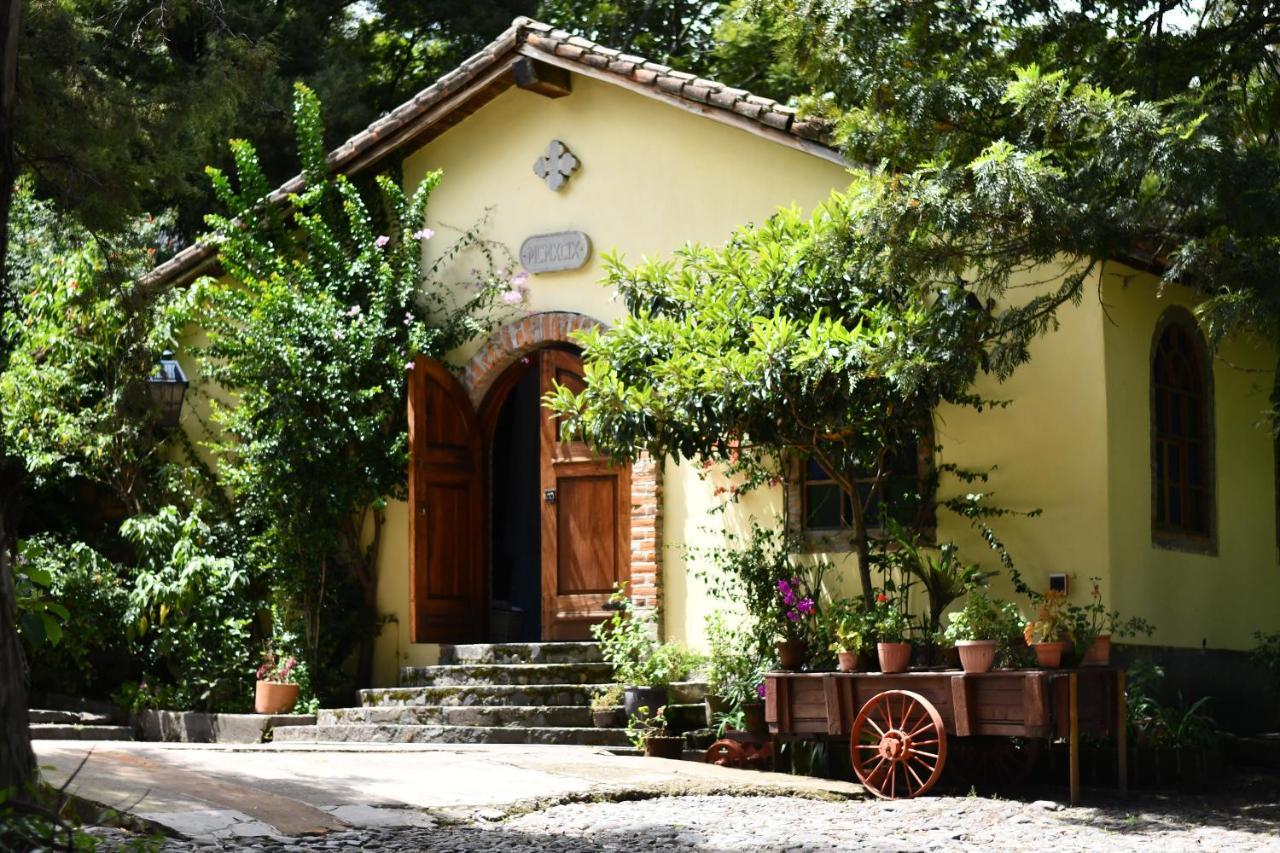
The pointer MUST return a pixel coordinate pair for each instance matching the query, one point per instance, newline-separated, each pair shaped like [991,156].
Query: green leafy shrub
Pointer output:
[88,654]
[191,611]
[735,667]
[327,307]
[628,641]
[1154,724]
[983,618]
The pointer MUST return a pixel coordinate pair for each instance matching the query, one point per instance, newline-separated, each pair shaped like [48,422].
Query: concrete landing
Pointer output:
[217,791]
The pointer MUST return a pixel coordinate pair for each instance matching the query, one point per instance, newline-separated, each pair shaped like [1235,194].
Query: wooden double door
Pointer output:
[583,507]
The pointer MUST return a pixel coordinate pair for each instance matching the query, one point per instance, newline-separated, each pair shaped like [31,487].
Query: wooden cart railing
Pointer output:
[902,722]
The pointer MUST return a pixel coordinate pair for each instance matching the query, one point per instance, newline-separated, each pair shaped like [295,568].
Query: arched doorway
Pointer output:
[558,513]
[514,534]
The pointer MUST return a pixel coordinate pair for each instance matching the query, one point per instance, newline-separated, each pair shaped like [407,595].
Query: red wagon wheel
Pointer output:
[898,744]
[726,753]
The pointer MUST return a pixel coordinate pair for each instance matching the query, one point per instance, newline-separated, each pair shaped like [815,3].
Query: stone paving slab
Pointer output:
[299,789]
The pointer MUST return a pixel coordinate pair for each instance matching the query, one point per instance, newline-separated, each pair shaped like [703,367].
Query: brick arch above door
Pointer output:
[518,339]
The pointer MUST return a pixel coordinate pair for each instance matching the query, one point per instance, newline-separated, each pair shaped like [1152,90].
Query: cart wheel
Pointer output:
[759,757]
[726,753]
[898,744]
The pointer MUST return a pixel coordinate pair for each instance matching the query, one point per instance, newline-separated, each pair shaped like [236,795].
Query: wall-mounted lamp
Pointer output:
[168,386]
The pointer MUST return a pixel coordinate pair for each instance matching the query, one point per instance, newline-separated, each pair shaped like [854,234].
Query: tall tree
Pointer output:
[17,762]
[1157,123]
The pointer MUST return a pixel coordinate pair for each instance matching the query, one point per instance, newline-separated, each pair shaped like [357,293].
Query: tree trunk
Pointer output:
[17,763]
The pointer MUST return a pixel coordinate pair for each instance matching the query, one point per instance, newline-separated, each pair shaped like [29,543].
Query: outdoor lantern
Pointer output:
[168,386]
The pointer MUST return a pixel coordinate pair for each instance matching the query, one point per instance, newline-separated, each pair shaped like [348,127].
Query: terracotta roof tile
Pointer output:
[394,128]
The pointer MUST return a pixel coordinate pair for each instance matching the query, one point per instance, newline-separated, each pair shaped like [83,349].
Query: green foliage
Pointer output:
[1267,652]
[847,623]
[832,338]
[735,667]
[1127,130]
[1092,620]
[888,620]
[983,618]
[945,578]
[314,337]
[745,573]
[628,642]
[83,336]
[646,723]
[607,699]
[90,594]
[1154,724]
[191,610]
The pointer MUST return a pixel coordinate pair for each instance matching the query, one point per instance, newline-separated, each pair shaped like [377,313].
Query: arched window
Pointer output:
[1182,511]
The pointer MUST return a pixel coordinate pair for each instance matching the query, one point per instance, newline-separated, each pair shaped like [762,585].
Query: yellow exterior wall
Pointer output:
[652,177]
[1215,601]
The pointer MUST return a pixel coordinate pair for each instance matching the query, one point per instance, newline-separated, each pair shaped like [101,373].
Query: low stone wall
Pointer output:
[195,727]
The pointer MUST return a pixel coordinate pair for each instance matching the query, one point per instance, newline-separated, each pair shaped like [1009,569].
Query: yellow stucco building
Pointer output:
[663,158]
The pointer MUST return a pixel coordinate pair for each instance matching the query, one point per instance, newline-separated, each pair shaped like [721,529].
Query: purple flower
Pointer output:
[408,365]
[408,319]
[519,279]
[760,691]
[784,587]
[423,234]
[805,605]
[382,240]
[513,297]
[353,311]
[793,616]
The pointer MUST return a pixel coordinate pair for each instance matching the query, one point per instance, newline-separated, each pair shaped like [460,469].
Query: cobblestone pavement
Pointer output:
[1239,821]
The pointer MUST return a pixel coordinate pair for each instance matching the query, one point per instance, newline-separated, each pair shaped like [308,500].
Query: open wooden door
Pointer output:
[447,580]
[586,519]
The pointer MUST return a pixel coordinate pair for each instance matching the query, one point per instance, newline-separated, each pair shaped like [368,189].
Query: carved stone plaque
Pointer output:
[564,250]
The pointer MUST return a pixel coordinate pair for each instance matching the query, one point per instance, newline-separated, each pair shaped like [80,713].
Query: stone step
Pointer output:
[71,718]
[465,675]
[491,695]
[391,733]
[681,717]
[63,731]
[682,693]
[520,653]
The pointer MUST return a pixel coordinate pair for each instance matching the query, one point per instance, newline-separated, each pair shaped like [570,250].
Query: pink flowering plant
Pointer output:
[276,667]
[797,608]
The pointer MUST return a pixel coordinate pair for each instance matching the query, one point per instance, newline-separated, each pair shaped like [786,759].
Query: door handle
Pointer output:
[549,496]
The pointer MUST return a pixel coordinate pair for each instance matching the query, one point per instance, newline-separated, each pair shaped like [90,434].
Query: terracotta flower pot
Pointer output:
[847,661]
[977,655]
[663,746]
[894,657]
[1099,652]
[1048,655]
[791,654]
[273,697]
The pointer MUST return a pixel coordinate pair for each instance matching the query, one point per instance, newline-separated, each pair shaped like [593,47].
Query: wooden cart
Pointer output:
[900,726]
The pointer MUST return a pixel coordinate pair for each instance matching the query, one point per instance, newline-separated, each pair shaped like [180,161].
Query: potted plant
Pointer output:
[1094,626]
[1044,633]
[977,630]
[628,642]
[891,627]
[734,668]
[606,708]
[796,605]
[846,624]
[649,732]
[277,687]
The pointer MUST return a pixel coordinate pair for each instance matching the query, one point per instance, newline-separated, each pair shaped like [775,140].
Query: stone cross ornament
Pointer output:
[555,165]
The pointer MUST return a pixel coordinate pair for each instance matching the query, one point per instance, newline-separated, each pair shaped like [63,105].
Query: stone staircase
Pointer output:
[76,725]
[508,693]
